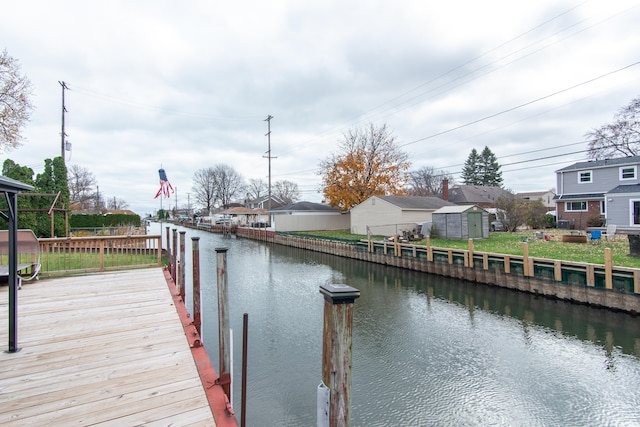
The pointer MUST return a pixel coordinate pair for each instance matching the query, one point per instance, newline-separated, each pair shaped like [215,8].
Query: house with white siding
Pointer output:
[389,215]
[308,216]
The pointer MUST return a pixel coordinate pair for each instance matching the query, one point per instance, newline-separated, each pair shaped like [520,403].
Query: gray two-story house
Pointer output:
[608,190]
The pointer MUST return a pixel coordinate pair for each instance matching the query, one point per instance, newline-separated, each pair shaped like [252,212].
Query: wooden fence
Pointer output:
[96,254]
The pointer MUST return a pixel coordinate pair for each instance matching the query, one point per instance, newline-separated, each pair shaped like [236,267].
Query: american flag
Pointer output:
[165,185]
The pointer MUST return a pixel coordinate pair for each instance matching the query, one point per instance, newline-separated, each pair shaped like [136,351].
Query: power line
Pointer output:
[508,110]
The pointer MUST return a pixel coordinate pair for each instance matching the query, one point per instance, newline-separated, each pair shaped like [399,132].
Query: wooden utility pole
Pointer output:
[268,156]
[63,135]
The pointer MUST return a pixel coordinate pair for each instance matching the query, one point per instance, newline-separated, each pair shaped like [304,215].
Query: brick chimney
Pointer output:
[445,189]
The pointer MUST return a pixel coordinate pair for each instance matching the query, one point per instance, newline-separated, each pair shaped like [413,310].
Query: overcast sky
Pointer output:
[188,85]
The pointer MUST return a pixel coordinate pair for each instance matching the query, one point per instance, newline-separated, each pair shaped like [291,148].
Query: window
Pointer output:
[635,212]
[603,207]
[627,172]
[584,177]
[575,206]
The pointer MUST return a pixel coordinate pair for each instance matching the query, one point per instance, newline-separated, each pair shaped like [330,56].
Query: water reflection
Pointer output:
[427,350]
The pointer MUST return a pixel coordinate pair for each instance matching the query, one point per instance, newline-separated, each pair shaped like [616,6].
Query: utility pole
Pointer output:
[63,135]
[268,156]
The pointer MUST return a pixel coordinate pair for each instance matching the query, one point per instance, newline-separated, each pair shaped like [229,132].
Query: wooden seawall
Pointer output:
[616,288]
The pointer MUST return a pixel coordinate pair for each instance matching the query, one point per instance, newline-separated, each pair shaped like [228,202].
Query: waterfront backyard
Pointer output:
[512,244]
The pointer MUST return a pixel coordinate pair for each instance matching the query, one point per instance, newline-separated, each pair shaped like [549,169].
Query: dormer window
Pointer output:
[628,172]
[585,177]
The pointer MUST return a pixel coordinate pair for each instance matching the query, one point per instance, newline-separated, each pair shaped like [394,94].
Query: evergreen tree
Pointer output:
[470,171]
[51,181]
[24,174]
[490,168]
[482,169]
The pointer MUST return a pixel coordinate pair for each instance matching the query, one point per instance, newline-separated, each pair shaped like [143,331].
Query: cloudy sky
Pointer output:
[188,85]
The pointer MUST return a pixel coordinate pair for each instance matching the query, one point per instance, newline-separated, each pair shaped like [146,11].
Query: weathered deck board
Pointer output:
[105,349]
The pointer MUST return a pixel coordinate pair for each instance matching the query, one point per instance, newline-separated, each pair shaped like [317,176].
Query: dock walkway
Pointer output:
[104,349]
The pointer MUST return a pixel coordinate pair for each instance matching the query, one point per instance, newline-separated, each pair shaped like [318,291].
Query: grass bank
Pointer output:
[512,244]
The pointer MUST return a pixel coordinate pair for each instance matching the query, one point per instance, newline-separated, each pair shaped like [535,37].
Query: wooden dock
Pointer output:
[103,349]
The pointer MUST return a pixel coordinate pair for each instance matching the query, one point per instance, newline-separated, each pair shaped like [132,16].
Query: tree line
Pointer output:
[220,185]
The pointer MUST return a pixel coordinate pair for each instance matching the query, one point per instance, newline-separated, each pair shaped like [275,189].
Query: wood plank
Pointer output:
[106,349]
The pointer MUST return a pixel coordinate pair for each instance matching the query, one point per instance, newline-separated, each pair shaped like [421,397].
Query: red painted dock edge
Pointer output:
[218,401]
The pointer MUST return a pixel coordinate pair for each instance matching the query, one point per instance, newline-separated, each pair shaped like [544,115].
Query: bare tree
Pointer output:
[228,184]
[620,138]
[257,188]
[204,187]
[427,181]
[286,191]
[509,211]
[116,204]
[15,103]
[81,185]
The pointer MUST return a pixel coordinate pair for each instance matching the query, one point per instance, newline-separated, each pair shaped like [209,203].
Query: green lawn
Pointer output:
[512,244]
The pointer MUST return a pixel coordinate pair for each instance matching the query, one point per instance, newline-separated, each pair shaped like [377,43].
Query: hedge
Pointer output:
[107,220]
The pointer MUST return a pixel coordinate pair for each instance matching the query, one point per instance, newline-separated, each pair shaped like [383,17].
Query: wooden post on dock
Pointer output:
[336,349]
[195,258]
[224,335]
[183,267]
[168,248]
[174,252]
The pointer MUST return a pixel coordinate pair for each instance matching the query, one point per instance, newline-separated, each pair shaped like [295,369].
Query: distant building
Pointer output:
[308,216]
[606,190]
[389,215]
[483,196]
[263,203]
[547,197]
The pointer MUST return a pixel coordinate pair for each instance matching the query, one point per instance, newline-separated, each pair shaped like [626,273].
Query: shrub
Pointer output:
[595,220]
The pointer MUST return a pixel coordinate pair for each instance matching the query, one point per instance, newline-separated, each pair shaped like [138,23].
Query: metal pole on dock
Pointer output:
[174,252]
[223,322]
[195,258]
[245,341]
[336,352]
[181,277]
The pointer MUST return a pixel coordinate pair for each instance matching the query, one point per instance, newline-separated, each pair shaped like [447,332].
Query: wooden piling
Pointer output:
[174,258]
[183,266]
[169,262]
[195,261]
[337,349]
[224,335]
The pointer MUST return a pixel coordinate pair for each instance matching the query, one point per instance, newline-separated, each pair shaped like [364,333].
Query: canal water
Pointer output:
[427,350]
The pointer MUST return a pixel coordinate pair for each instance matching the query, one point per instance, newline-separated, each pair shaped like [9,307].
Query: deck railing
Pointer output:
[96,254]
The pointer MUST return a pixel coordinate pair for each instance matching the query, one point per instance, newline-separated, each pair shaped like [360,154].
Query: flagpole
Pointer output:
[162,215]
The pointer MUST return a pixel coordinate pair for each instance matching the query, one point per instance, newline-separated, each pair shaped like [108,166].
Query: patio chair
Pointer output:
[28,255]
[611,231]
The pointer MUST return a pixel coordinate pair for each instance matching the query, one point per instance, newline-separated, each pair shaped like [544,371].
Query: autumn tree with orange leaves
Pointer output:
[369,163]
